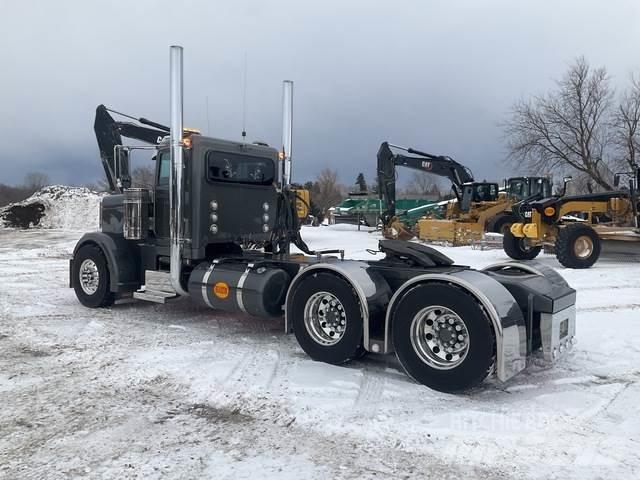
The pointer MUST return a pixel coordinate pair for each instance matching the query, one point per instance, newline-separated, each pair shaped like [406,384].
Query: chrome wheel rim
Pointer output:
[89,277]
[440,337]
[325,318]
[583,247]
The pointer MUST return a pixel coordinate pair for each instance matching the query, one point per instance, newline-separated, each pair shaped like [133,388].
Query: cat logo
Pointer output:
[426,165]
[221,290]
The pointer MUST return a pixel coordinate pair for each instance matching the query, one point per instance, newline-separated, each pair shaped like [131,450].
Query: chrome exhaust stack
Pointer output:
[287,130]
[176,180]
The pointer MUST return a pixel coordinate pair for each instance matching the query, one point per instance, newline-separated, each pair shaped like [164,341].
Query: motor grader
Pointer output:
[578,227]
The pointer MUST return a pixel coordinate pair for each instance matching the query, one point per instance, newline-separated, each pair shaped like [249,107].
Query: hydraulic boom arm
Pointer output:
[438,165]
[109,135]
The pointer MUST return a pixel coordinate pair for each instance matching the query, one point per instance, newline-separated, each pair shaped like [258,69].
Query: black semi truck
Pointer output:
[449,325]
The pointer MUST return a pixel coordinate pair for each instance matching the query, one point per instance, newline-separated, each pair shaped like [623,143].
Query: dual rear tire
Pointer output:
[442,337]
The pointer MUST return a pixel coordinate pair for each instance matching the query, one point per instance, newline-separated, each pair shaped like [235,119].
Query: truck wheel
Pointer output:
[443,338]
[91,278]
[501,223]
[327,320]
[518,247]
[577,246]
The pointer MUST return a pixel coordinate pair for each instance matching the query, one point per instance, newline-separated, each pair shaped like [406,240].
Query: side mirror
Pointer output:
[616,180]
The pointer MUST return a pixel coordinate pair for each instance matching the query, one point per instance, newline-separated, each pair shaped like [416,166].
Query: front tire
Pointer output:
[577,246]
[501,223]
[443,337]
[91,280]
[518,248]
[327,318]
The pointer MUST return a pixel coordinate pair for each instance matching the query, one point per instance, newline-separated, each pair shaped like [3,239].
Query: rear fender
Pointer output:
[122,260]
[502,309]
[372,290]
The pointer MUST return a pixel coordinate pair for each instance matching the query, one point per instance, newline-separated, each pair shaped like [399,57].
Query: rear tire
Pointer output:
[517,248]
[424,350]
[91,280]
[577,246]
[327,319]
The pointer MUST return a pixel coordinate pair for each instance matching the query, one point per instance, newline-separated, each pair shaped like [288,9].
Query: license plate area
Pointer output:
[557,331]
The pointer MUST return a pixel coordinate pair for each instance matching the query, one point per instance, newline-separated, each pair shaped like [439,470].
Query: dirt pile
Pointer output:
[56,206]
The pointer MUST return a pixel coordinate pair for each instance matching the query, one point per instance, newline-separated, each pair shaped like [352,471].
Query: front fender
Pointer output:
[122,260]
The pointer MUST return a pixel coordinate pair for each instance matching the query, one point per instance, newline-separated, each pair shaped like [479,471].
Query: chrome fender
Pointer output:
[501,308]
[372,290]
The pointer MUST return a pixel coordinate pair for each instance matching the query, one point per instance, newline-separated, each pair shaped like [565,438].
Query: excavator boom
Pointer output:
[109,135]
[436,164]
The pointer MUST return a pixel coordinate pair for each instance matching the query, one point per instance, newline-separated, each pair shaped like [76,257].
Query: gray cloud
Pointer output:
[435,75]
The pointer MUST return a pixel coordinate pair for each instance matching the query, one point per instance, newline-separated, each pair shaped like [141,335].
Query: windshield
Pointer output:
[485,192]
[237,168]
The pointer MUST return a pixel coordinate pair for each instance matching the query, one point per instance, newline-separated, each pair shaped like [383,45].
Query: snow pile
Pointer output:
[55,206]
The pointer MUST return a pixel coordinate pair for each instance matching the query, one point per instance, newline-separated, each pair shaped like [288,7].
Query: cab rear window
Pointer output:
[237,168]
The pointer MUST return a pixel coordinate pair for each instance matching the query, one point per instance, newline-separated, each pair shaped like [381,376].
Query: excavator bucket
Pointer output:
[396,230]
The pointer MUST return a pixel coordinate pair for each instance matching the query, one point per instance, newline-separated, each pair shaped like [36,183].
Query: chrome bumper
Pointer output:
[558,332]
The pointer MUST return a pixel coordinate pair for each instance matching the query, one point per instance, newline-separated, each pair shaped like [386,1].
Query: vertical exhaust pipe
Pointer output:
[287,130]
[176,181]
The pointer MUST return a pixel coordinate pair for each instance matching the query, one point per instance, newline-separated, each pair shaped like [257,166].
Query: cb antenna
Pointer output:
[244,100]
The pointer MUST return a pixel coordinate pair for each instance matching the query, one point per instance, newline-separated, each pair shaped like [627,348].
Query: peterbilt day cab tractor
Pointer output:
[578,227]
[478,207]
[449,325]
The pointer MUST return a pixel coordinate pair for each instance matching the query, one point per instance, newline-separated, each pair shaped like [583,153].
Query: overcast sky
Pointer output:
[435,75]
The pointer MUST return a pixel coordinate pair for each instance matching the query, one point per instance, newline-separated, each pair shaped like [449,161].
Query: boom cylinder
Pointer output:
[176,181]
[287,129]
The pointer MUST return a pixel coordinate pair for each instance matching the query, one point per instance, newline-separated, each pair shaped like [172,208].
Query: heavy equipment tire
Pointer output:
[577,246]
[517,248]
[501,223]
[91,278]
[443,337]
[327,318]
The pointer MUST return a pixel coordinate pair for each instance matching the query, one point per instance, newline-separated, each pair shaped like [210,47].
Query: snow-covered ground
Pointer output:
[179,391]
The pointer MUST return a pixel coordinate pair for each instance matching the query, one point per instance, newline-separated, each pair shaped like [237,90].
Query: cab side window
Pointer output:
[163,169]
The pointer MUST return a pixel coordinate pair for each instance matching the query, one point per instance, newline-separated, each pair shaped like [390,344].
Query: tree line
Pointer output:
[32,182]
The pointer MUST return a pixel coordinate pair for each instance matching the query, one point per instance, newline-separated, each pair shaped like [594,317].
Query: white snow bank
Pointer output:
[55,206]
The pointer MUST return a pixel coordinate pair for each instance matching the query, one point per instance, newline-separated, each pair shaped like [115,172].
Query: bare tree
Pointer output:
[566,129]
[423,183]
[34,181]
[143,177]
[326,191]
[625,124]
